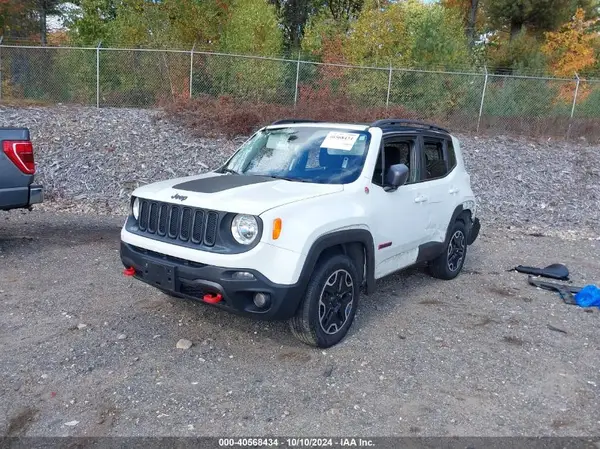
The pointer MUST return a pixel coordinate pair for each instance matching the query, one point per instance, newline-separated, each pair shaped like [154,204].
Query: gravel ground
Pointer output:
[87,351]
[90,160]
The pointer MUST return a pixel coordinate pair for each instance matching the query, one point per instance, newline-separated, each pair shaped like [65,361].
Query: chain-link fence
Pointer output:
[469,102]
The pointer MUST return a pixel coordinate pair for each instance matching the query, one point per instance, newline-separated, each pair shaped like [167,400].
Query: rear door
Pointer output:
[439,184]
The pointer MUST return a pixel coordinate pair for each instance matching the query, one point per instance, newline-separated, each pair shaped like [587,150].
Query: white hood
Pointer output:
[233,193]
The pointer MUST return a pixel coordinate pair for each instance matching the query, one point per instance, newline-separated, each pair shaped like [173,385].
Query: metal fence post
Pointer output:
[297,78]
[387,100]
[98,74]
[1,39]
[577,80]
[192,68]
[482,98]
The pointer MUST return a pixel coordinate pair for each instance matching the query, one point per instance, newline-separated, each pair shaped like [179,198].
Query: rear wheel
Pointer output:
[329,305]
[449,264]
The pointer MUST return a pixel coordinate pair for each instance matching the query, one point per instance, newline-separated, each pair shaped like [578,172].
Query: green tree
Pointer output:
[521,54]
[169,23]
[324,37]
[15,19]
[538,15]
[408,34]
[345,9]
[401,34]
[26,17]
[135,23]
[252,28]
[294,15]
[471,13]
[44,8]
[91,23]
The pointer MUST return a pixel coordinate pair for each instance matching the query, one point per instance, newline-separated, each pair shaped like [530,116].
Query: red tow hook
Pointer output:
[212,299]
[129,271]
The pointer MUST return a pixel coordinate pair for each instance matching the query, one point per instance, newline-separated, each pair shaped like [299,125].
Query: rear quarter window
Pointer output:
[451,155]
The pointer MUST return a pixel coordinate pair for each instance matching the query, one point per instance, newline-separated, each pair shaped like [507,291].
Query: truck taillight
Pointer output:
[20,152]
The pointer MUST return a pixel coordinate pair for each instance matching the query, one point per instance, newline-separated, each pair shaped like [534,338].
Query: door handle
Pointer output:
[420,199]
[453,190]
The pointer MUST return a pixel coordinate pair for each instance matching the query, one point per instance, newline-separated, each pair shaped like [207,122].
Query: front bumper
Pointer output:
[195,280]
[474,231]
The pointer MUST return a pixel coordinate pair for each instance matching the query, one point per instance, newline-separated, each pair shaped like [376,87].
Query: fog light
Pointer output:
[261,300]
[242,276]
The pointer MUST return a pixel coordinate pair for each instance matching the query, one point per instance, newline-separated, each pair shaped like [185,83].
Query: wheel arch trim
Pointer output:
[342,237]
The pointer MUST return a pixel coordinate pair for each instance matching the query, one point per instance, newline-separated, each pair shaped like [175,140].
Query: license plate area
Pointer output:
[160,275]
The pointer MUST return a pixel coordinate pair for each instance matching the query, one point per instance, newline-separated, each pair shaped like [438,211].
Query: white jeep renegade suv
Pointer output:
[303,217]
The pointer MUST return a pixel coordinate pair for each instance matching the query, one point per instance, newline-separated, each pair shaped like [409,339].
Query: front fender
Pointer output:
[310,226]
[302,223]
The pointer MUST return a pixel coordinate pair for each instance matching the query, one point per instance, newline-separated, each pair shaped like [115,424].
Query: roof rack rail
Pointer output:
[404,122]
[291,121]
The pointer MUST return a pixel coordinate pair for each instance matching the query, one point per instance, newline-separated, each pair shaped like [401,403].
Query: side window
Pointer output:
[396,150]
[433,155]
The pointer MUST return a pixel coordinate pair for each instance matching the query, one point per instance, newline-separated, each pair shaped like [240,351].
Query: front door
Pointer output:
[398,217]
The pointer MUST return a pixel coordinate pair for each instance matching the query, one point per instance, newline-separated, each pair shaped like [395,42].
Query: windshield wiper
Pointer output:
[285,178]
[229,170]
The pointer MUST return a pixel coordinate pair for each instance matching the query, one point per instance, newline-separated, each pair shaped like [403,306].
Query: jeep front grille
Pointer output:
[178,222]
[198,228]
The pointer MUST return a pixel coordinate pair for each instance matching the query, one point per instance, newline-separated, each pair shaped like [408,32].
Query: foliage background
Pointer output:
[439,50]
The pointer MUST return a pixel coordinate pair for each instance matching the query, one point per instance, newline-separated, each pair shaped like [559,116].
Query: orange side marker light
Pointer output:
[276,228]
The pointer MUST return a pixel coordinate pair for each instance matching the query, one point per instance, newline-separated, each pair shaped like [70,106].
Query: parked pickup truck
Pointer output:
[17,170]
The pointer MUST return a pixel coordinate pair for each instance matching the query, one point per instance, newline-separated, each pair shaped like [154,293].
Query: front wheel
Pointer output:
[329,305]
[449,264]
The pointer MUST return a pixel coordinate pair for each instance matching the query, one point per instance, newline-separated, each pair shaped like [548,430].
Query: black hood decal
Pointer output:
[219,183]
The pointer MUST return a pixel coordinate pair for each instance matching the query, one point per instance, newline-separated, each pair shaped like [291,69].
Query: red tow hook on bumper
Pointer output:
[212,299]
[129,271]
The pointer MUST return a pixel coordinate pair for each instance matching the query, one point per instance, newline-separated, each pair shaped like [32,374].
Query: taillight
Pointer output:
[20,152]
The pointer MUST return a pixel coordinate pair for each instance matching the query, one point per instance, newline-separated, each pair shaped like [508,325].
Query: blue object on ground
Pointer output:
[588,296]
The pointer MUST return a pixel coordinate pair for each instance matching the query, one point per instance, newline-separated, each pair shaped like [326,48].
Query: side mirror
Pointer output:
[396,176]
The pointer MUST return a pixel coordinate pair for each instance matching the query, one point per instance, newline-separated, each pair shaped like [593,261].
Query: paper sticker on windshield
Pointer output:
[336,140]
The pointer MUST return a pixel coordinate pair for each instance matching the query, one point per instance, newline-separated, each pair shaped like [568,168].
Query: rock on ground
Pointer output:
[90,160]
[183,344]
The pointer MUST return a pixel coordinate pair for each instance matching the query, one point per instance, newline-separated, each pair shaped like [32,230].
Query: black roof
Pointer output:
[292,120]
[387,125]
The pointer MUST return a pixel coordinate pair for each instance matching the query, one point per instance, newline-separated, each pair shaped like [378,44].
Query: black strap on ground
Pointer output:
[567,292]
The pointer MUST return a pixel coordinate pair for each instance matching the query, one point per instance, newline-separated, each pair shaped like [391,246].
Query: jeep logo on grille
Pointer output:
[179,197]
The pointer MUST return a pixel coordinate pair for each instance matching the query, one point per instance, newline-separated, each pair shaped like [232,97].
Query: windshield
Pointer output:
[306,154]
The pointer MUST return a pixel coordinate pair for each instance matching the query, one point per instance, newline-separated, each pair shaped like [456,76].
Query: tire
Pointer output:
[449,264]
[326,314]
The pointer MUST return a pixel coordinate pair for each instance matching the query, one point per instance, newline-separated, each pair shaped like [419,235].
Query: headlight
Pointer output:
[244,229]
[135,208]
